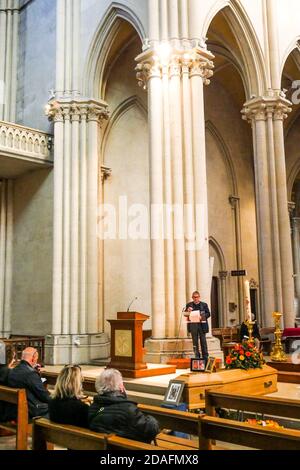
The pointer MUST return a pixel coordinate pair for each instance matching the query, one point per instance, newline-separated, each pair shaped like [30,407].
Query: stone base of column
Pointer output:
[5,334]
[76,349]
[297,307]
[160,351]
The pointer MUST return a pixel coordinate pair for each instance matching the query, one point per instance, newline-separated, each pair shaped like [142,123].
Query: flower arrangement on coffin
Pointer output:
[269,423]
[244,356]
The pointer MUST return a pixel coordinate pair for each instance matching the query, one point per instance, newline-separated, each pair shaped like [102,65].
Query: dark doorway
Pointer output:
[214,302]
[253,300]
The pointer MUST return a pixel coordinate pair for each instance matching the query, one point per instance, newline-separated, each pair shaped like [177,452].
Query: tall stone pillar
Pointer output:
[174,70]
[9,26]
[77,328]
[235,204]
[296,253]
[266,115]
[6,241]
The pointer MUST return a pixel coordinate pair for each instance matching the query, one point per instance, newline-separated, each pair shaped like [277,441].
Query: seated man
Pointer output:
[26,376]
[112,412]
[244,334]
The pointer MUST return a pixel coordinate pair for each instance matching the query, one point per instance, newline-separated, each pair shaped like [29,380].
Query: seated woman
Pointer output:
[66,406]
[112,412]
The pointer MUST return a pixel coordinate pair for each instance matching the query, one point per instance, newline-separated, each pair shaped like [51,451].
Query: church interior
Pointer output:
[149,156]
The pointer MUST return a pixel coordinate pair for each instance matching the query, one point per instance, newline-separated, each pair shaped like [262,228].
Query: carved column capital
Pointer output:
[193,61]
[264,107]
[223,275]
[234,200]
[105,173]
[291,208]
[77,110]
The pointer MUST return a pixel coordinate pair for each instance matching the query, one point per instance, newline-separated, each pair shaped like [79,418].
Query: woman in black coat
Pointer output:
[66,406]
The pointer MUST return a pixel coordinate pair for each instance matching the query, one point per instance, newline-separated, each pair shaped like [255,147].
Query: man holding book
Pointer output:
[198,313]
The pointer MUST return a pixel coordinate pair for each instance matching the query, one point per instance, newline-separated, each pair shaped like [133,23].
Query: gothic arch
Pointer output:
[295,171]
[211,128]
[101,44]
[250,49]
[131,102]
[217,248]
[293,45]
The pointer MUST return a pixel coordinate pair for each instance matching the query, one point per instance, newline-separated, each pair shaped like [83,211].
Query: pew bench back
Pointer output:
[75,438]
[21,426]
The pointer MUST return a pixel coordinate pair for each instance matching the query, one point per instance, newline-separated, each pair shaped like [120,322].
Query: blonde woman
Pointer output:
[66,406]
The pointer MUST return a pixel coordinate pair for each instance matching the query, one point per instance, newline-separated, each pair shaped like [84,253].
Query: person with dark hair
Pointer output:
[198,314]
[112,412]
[66,406]
[25,376]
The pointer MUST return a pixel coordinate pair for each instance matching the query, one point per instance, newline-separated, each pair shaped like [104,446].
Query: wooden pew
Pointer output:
[17,397]
[243,434]
[174,420]
[75,438]
[283,407]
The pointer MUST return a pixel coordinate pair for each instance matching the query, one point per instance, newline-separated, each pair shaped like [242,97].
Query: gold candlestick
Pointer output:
[250,325]
[277,353]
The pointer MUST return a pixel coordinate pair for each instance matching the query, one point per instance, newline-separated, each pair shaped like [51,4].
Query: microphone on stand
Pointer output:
[134,298]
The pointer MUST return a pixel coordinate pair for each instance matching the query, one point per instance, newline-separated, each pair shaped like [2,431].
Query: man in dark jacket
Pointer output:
[112,412]
[26,376]
[198,327]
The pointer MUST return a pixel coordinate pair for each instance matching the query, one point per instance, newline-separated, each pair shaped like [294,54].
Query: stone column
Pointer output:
[175,78]
[6,240]
[286,256]
[9,25]
[223,275]
[235,204]
[296,252]
[274,244]
[77,327]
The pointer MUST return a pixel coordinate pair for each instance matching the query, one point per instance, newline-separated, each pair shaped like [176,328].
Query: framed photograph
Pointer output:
[211,363]
[198,364]
[174,392]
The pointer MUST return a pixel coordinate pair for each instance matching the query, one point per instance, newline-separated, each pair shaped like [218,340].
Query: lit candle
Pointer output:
[247,301]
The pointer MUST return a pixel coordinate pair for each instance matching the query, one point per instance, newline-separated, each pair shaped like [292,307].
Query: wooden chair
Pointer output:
[21,427]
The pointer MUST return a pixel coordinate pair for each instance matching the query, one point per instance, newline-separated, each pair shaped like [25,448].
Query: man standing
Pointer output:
[198,313]
[26,376]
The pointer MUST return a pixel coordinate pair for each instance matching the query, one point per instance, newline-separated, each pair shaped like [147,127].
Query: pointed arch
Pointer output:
[295,171]
[217,248]
[211,128]
[255,76]
[101,45]
[295,44]
[131,102]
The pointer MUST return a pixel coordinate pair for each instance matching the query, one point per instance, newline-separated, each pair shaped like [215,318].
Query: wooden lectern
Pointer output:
[127,344]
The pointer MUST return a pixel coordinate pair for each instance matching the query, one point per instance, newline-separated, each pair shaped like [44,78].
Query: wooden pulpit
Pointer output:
[127,343]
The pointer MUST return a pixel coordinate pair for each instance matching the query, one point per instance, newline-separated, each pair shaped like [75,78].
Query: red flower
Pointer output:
[228,360]
[248,354]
